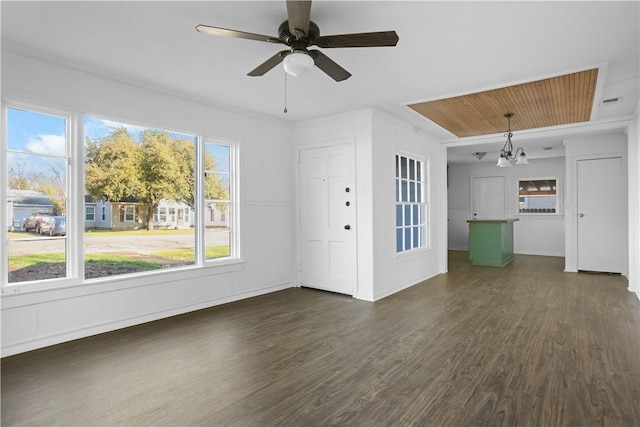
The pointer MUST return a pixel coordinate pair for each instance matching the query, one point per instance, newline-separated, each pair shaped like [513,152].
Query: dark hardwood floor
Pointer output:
[525,345]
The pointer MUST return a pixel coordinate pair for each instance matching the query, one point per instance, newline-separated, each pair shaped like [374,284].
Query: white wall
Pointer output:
[393,272]
[376,137]
[533,234]
[590,147]
[38,318]
[354,127]
[633,169]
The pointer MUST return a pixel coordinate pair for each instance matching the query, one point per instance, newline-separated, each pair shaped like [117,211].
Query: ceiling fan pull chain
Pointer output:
[285,93]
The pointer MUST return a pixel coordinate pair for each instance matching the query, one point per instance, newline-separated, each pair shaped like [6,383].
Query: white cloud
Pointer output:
[96,128]
[53,145]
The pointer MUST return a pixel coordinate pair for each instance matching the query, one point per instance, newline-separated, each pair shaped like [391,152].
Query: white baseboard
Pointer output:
[58,338]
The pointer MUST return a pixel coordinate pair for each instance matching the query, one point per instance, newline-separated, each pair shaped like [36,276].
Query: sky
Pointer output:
[41,134]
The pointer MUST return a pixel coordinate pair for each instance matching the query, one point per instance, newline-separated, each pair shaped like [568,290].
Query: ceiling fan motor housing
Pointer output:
[293,41]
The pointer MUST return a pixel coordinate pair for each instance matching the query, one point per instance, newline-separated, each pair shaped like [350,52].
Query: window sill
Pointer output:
[411,254]
[36,292]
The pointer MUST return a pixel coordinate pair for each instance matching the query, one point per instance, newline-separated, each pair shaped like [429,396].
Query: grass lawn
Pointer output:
[176,255]
[109,233]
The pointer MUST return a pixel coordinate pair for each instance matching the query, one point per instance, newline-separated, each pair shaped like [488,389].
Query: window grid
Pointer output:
[89,213]
[48,155]
[411,205]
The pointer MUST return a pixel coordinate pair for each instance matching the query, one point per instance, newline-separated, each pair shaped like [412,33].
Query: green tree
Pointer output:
[158,167]
[113,167]
[166,171]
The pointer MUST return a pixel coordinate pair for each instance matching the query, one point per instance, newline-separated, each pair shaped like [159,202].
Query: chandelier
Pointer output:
[507,155]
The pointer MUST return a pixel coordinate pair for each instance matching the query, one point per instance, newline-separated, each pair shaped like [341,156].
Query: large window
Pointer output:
[36,188]
[145,175]
[411,204]
[140,202]
[538,196]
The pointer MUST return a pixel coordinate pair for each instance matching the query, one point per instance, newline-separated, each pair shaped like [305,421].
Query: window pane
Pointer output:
[36,258]
[538,196]
[40,173]
[411,210]
[36,196]
[218,213]
[144,177]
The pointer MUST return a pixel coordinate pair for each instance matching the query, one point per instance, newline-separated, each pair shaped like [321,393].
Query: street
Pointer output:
[102,243]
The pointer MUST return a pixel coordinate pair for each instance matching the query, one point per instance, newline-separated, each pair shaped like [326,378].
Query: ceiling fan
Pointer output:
[299,33]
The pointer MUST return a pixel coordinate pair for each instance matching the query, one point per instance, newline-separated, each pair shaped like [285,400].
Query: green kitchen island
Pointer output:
[491,241]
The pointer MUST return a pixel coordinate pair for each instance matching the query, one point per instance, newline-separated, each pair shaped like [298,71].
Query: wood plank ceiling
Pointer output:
[554,101]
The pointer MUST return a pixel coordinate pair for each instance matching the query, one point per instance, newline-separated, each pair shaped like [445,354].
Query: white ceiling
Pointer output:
[445,49]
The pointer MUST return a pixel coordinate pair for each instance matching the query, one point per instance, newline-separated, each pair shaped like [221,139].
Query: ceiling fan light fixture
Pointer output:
[297,63]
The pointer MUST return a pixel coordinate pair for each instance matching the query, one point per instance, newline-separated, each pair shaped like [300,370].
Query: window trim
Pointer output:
[426,205]
[74,247]
[86,213]
[73,207]
[234,200]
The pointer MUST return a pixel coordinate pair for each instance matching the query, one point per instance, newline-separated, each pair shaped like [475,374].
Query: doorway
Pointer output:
[487,197]
[327,218]
[601,218]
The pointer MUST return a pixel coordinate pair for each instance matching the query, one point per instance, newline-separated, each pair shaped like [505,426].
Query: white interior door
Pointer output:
[327,215]
[488,198]
[600,215]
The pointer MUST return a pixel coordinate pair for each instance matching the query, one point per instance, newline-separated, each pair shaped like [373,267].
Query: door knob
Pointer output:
[347,227]
[581,215]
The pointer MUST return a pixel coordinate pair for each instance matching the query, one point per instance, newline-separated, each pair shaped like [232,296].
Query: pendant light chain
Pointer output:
[285,92]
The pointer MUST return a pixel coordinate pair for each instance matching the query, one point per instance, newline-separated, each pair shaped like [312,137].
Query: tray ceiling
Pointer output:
[560,100]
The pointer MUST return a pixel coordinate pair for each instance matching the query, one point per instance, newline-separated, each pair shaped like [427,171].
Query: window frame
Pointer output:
[86,213]
[233,203]
[74,194]
[424,237]
[558,195]
[129,211]
[73,206]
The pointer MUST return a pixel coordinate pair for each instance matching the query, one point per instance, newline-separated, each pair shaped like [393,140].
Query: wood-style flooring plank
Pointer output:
[523,345]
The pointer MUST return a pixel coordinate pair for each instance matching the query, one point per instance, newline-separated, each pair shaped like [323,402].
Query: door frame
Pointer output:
[350,143]
[571,209]
[579,211]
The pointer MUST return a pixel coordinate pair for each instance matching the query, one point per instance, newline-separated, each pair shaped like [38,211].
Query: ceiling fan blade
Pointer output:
[217,31]
[380,38]
[299,14]
[327,65]
[267,65]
